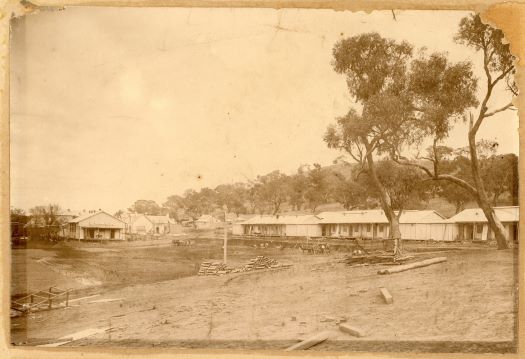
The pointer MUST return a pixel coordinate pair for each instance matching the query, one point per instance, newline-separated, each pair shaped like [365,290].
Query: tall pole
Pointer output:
[225,246]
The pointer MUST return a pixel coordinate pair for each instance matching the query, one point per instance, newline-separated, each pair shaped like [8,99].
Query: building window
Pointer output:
[368,227]
[380,229]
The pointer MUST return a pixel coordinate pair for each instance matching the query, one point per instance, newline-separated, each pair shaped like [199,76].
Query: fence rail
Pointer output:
[41,300]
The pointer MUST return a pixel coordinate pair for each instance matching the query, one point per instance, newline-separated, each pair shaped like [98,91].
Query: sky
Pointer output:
[111,105]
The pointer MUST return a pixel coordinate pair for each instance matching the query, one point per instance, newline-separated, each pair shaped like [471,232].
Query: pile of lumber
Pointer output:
[260,262]
[214,268]
[256,263]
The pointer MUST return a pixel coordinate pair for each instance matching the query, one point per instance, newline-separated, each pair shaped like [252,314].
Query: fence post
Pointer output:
[32,299]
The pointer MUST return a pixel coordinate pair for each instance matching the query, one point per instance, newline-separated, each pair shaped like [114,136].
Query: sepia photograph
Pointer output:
[263,179]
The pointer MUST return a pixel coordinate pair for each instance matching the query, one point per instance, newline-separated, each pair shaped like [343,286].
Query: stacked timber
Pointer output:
[214,268]
[256,263]
[260,262]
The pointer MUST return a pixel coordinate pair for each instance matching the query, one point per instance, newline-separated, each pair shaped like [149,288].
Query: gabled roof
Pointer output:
[421,216]
[359,216]
[505,214]
[89,215]
[129,218]
[158,219]
[67,212]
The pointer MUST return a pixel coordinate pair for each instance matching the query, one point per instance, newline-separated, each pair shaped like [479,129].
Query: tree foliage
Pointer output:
[144,206]
[19,219]
[45,221]
[405,186]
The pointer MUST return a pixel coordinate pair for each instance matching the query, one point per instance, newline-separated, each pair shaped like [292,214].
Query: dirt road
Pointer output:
[465,299]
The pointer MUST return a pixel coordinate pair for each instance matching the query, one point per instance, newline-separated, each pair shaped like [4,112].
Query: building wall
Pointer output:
[238,229]
[303,230]
[417,231]
[273,230]
[141,225]
[481,232]
[161,228]
[101,233]
[355,230]
[428,231]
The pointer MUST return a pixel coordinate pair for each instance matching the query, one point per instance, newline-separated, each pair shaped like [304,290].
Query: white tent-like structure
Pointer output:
[413,224]
[472,225]
[280,226]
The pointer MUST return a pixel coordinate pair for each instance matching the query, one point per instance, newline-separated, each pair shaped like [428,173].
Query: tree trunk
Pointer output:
[494,222]
[386,204]
[481,197]
[395,233]
[458,207]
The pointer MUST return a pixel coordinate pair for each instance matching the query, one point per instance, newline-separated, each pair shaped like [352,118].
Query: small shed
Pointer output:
[98,225]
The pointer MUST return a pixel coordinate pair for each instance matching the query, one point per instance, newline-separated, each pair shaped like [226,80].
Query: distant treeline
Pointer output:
[344,183]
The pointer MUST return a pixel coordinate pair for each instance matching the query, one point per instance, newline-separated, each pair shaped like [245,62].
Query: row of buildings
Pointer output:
[470,224]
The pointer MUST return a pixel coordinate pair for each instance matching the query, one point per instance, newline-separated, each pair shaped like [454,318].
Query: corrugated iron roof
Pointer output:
[470,215]
[421,216]
[378,216]
[89,215]
[359,216]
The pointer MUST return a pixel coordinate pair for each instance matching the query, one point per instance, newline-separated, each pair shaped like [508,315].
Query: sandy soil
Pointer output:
[469,299]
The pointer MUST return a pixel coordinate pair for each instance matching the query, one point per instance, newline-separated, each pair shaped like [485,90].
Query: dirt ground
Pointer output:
[464,304]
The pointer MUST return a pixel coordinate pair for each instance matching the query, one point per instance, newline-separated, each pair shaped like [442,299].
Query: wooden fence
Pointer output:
[41,300]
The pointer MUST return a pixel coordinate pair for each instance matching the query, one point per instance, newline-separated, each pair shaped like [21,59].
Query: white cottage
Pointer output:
[473,225]
[99,225]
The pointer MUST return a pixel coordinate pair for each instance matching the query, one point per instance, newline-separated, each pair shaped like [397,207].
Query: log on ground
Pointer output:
[309,342]
[405,267]
[386,295]
[356,332]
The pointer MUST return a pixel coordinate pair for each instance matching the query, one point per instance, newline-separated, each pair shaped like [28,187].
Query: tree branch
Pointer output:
[426,170]
[462,183]
[507,106]
[503,74]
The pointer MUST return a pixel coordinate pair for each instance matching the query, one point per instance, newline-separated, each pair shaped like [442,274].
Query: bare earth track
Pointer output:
[464,304]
